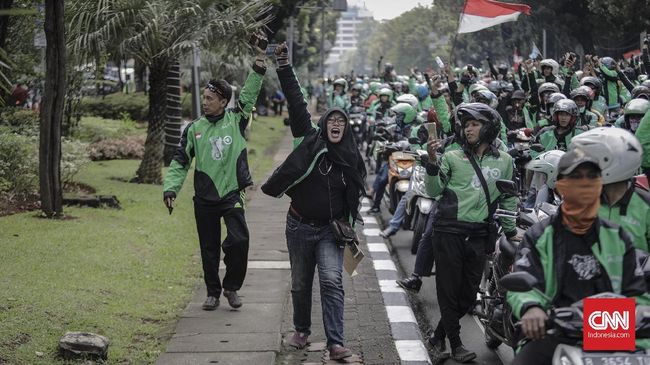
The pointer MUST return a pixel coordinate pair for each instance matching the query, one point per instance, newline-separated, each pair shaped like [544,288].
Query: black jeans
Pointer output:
[424,257]
[459,266]
[235,246]
[539,352]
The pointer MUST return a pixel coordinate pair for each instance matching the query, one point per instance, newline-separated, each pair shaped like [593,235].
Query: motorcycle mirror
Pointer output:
[520,281]
[507,187]
[537,147]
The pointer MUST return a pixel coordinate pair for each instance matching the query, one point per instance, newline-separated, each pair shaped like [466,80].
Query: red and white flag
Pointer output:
[481,14]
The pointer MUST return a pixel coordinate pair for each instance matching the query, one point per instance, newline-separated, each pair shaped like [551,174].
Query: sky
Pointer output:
[389,9]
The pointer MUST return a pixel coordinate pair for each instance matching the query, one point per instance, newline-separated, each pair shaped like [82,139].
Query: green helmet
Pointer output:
[374,87]
[637,106]
[406,110]
[386,91]
[476,87]
[341,82]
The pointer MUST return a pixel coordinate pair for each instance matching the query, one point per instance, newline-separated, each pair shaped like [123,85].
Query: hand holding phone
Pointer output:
[431,130]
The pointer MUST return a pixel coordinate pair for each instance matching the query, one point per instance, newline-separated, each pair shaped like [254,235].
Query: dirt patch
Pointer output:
[12,204]
[19,340]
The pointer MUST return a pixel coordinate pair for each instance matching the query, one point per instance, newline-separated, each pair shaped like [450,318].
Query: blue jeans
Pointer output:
[379,186]
[398,216]
[310,247]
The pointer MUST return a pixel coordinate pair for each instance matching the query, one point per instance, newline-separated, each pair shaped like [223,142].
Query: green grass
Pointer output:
[126,274]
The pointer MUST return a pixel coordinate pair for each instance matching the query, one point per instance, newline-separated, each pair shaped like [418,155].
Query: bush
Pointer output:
[93,129]
[131,147]
[19,163]
[74,156]
[136,105]
[19,120]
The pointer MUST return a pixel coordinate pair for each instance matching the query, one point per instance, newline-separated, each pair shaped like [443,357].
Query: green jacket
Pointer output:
[339,101]
[219,148]
[643,134]
[539,253]
[612,88]
[463,206]
[549,138]
[632,213]
[440,105]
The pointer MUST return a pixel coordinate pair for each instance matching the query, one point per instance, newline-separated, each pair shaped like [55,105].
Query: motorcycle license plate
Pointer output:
[631,359]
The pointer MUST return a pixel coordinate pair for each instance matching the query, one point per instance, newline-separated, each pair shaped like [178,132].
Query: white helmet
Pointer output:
[546,163]
[410,99]
[555,67]
[618,151]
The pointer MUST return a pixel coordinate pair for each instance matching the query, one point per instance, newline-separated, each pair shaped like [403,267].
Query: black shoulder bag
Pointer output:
[343,232]
[493,229]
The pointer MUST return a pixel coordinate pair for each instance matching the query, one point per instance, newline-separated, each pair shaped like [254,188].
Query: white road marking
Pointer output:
[377,247]
[390,286]
[269,265]
[371,232]
[384,265]
[412,350]
[369,220]
[400,313]
[364,209]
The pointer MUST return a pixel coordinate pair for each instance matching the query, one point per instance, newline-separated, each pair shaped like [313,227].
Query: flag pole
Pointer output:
[453,42]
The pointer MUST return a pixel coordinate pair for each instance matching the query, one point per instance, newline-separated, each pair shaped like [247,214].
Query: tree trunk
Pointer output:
[138,75]
[52,111]
[150,168]
[4,21]
[174,120]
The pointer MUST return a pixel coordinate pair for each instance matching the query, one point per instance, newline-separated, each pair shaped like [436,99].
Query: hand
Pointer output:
[533,323]
[259,43]
[432,148]
[168,199]
[282,54]
[528,65]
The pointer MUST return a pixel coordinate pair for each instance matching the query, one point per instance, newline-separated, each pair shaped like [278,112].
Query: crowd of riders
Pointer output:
[572,134]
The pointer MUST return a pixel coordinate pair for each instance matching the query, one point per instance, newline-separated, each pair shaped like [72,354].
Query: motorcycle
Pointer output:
[566,324]
[357,125]
[400,168]
[418,205]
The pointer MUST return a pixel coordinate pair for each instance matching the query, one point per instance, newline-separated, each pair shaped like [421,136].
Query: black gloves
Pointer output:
[282,55]
[169,194]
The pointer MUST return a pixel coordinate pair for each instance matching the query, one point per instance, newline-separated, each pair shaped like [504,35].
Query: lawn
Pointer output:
[126,274]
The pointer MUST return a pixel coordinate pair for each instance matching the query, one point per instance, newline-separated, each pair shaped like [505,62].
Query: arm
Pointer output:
[493,70]
[643,134]
[249,94]
[528,259]
[633,281]
[436,178]
[181,162]
[299,116]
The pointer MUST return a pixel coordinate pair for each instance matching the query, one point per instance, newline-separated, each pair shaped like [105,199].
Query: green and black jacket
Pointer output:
[219,148]
[542,254]
[309,145]
[463,207]
[632,213]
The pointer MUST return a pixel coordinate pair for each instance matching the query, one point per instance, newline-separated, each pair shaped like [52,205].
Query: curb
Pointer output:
[403,324]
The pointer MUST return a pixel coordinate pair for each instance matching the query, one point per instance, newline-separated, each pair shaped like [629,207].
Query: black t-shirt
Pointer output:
[311,198]
[583,275]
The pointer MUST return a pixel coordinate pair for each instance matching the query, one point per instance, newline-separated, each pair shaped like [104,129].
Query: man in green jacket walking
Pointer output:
[216,140]
[461,228]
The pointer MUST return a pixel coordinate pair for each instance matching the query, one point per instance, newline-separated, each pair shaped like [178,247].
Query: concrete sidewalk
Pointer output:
[253,334]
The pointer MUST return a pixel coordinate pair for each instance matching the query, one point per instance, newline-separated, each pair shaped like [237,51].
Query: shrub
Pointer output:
[20,120]
[93,129]
[136,105]
[131,147]
[19,163]
[74,156]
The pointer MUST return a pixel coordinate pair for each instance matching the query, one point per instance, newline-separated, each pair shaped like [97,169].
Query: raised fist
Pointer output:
[282,54]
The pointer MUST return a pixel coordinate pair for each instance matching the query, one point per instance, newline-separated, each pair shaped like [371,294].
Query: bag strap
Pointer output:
[492,207]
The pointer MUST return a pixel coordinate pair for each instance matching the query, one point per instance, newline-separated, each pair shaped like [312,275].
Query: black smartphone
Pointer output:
[256,41]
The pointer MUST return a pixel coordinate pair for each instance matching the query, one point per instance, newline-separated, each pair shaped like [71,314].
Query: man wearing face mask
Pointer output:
[324,177]
[217,142]
[573,254]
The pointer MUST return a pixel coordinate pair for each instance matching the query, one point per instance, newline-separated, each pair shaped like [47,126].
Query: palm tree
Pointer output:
[158,33]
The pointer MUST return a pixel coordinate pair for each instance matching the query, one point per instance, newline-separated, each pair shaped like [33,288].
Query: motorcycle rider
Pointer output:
[620,152]
[544,176]
[338,98]
[633,112]
[380,107]
[582,97]
[573,254]
[643,134]
[461,221]
[558,136]
[356,99]
[599,104]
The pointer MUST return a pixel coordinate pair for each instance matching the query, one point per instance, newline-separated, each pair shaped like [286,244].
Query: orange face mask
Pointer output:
[581,201]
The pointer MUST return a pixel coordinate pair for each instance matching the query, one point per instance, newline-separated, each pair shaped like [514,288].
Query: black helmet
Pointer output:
[608,62]
[568,106]
[489,117]
[582,91]
[593,81]
[552,100]
[503,69]
[518,95]
[641,92]
[506,86]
